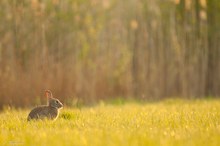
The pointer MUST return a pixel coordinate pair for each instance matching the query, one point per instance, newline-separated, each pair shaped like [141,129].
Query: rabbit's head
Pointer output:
[53,102]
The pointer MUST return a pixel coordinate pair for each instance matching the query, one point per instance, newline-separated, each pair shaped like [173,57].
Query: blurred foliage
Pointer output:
[90,49]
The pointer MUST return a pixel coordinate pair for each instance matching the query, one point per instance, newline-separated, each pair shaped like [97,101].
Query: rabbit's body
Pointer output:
[50,111]
[43,112]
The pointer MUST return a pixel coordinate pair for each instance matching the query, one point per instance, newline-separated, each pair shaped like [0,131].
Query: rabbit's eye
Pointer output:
[56,101]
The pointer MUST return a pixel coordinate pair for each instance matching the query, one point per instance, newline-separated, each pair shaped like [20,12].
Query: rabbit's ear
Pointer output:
[48,94]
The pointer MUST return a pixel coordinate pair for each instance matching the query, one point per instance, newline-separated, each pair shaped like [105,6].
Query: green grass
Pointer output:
[169,122]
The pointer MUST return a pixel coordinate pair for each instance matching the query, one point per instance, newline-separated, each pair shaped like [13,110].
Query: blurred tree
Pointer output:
[213,14]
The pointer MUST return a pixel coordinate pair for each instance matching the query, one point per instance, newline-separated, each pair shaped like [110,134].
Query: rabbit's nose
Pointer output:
[61,104]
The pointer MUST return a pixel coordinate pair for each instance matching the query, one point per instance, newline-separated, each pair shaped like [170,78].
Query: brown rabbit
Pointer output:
[50,111]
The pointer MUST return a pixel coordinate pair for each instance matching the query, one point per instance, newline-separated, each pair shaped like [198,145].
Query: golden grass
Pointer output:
[170,122]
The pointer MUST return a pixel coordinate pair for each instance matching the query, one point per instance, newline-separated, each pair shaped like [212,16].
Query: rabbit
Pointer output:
[50,111]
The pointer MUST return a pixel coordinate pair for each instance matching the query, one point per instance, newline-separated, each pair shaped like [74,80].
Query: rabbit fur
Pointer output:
[50,111]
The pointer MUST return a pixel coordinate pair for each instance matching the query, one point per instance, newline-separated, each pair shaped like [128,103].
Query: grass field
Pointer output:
[169,122]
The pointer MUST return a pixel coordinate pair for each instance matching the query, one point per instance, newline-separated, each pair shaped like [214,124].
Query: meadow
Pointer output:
[168,122]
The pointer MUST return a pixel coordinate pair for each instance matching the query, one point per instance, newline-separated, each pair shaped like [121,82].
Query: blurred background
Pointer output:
[92,50]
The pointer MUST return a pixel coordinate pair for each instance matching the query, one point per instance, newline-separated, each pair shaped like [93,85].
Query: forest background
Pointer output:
[92,50]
